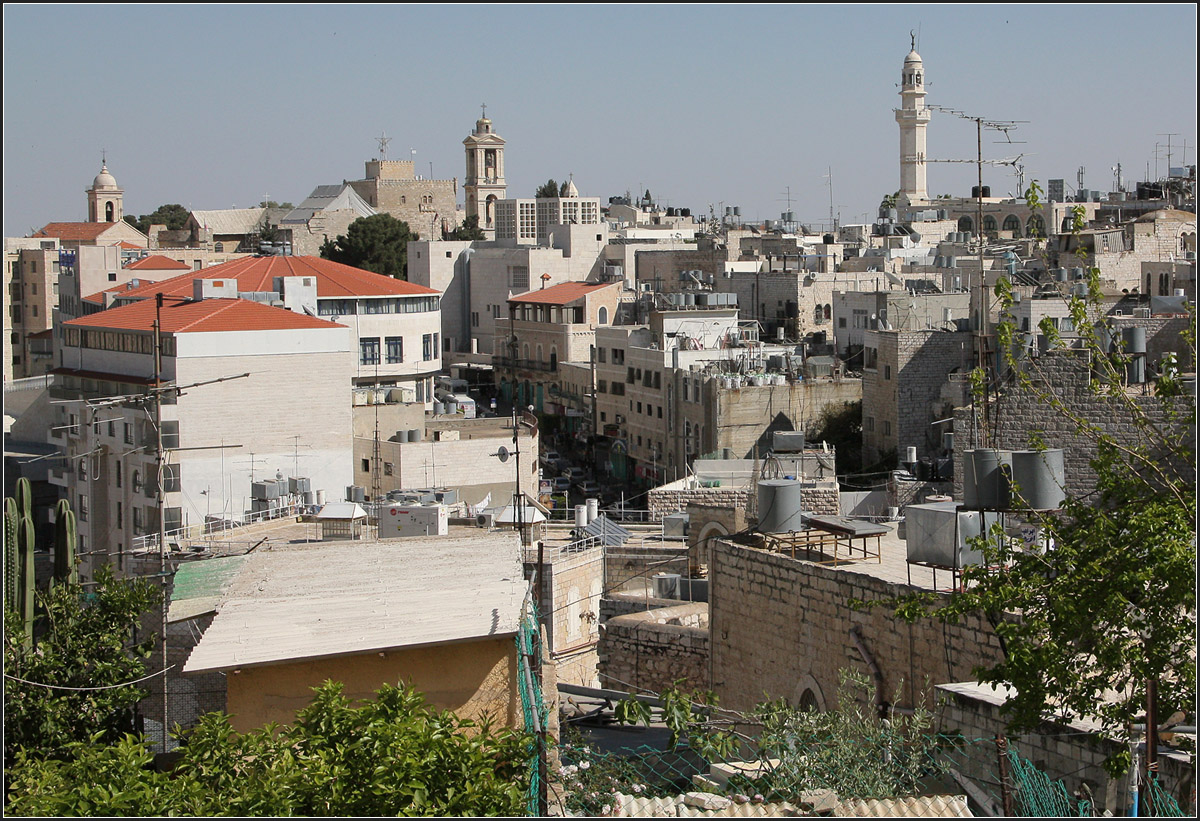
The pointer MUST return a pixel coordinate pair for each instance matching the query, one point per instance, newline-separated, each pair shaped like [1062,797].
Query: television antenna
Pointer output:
[383,140]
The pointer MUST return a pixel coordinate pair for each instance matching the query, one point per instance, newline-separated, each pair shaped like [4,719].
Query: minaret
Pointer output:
[912,116]
[484,183]
[105,198]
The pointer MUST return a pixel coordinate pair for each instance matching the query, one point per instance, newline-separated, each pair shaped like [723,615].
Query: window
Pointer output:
[427,347]
[139,522]
[618,388]
[887,428]
[394,346]
[870,423]
[366,465]
[601,355]
[841,322]
[369,350]
[602,317]
[887,371]
[112,429]
[82,513]
[118,474]
[120,523]
[112,277]
[1011,223]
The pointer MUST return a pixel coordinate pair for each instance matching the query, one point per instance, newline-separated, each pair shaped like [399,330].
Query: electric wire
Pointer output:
[88,689]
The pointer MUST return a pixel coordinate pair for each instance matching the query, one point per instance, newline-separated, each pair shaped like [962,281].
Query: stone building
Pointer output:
[220,437]
[31,269]
[396,325]
[325,215]
[911,379]
[484,183]
[393,187]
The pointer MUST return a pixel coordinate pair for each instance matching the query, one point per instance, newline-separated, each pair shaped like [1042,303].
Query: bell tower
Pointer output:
[484,183]
[912,117]
[105,199]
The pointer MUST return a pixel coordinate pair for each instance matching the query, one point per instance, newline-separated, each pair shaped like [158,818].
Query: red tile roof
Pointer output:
[561,294]
[157,262]
[258,274]
[128,246]
[75,230]
[209,315]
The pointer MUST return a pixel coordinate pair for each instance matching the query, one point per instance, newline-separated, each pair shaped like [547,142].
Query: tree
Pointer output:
[393,755]
[273,204]
[547,191]
[377,243]
[78,682]
[174,216]
[469,230]
[1105,605]
[841,426]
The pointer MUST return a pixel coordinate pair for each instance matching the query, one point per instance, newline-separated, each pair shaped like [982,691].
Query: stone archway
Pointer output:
[807,694]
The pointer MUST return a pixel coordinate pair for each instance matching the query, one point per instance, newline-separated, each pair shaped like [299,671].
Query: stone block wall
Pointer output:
[781,626]
[1019,413]
[634,565]
[653,649]
[1063,752]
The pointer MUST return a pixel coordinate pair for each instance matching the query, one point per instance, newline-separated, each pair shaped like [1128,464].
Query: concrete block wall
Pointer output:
[654,649]
[781,626]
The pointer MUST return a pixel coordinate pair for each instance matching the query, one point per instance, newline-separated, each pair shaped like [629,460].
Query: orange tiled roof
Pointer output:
[258,274]
[157,262]
[75,230]
[128,246]
[209,315]
[561,294]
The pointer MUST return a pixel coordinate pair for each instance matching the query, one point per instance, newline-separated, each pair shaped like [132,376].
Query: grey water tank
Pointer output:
[939,534]
[1039,478]
[985,479]
[415,435]
[779,505]
[1135,339]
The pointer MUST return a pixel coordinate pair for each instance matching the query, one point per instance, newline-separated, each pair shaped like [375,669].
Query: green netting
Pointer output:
[1037,796]
[533,707]
[1161,802]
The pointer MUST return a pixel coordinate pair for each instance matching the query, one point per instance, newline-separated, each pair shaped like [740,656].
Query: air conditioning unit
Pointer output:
[485,520]
[620,419]
[666,585]
[1141,313]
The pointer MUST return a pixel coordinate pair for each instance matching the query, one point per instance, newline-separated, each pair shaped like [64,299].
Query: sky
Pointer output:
[755,106]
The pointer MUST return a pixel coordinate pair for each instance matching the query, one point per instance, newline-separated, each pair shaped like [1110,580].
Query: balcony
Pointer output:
[504,362]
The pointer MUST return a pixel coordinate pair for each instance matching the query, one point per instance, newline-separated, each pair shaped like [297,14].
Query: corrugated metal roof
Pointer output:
[928,806]
[199,586]
[329,198]
[303,602]
[235,221]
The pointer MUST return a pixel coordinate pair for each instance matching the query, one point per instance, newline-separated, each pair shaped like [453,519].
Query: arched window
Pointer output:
[989,224]
[553,358]
[602,316]
[219,247]
[828,312]
[539,354]
[966,224]
[108,212]
[1011,223]
[525,351]
[818,314]
[1035,226]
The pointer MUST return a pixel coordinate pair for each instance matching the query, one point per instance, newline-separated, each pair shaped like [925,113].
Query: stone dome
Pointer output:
[104,179]
[912,57]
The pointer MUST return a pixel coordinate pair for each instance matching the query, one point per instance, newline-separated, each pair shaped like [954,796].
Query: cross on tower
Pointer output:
[484,107]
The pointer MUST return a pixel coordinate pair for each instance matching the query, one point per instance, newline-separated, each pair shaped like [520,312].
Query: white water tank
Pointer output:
[593,510]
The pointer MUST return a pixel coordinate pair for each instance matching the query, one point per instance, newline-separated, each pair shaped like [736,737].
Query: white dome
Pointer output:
[104,179]
[912,57]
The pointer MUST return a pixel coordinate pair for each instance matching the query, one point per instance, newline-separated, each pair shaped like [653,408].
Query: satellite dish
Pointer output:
[502,453]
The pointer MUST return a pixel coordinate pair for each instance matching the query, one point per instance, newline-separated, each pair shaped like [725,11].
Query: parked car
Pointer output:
[550,459]
[590,489]
[561,484]
[575,474]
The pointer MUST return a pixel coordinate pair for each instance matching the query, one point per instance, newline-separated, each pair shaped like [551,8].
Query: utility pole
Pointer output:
[160,503]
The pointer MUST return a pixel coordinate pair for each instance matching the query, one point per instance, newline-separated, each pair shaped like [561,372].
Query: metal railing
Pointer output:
[217,527]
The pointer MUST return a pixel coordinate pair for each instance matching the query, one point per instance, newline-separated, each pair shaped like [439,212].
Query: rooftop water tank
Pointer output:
[1039,478]
[779,505]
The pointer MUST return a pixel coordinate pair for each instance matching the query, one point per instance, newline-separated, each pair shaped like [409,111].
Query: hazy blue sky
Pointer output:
[217,106]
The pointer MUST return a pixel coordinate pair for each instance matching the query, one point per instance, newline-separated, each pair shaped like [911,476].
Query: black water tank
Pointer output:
[828,239]
[987,191]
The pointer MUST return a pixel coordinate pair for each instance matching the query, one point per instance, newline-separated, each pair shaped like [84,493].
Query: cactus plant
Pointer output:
[64,544]
[19,539]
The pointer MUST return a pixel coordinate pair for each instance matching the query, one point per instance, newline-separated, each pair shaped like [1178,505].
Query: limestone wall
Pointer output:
[1017,415]
[654,649]
[781,626]
[1063,752]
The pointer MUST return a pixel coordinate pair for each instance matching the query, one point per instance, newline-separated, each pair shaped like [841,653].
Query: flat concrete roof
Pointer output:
[304,601]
